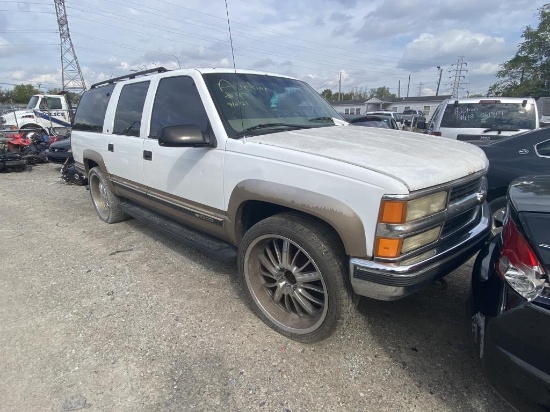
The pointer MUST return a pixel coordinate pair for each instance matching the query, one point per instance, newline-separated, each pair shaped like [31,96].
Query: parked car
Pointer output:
[396,116]
[59,151]
[509,305]
[511,157]
[414,118]
[484,118]
[370,120]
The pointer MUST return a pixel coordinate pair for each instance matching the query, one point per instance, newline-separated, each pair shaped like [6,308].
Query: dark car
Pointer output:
[370,120]
[522,154]
[59,151]
[509,305]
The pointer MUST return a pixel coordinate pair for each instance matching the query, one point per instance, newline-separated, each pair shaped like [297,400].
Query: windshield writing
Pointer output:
[246,101]
[499,116]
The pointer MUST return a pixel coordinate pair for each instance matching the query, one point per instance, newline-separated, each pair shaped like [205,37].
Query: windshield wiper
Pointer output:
[322,119]
[271,126]
[499,129]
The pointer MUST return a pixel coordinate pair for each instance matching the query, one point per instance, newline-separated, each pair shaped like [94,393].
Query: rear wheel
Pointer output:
[104,200]
[293,275]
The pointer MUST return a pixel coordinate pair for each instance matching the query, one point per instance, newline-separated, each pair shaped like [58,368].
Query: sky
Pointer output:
[359,44]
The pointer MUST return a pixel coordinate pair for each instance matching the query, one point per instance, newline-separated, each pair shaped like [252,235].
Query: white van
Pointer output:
[486,118]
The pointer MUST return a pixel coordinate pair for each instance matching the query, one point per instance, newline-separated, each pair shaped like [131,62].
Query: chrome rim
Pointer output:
[497,220]
[99,196]
[286,284]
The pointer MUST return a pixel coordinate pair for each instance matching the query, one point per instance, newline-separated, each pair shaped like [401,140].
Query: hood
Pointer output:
[418,161]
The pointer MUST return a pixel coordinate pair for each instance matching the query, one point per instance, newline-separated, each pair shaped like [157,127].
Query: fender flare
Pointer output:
[334,212]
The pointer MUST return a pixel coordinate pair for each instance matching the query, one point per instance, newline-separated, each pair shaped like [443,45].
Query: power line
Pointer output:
[459,79]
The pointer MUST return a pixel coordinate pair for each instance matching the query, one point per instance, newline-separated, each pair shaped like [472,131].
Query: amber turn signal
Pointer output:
[393,211]
[388,247]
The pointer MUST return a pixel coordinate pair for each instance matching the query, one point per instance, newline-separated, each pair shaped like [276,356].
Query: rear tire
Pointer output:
[104,200]
[293,276]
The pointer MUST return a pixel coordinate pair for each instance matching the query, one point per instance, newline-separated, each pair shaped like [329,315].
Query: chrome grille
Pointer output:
[459,222]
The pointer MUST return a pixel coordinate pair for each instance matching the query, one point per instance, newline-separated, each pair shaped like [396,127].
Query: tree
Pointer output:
[23,92]
[528,72]
[382,93]
[327,94]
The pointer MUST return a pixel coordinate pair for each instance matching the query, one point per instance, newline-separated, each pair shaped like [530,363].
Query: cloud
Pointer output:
[340,17]
[447,46]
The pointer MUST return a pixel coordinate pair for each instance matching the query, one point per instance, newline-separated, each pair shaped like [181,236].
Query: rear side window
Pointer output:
[498,116]
[130,108]
[177,102]
[91,110]
[543,149]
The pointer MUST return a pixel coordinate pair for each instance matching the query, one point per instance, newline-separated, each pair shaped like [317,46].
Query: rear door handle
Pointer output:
[147,155]
[110,147]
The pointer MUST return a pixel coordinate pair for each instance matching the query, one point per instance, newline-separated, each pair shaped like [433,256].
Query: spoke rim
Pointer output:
[286,284]
[99,195]
[497,220]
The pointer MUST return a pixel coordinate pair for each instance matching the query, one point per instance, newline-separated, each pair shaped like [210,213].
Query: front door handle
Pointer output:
[147,155]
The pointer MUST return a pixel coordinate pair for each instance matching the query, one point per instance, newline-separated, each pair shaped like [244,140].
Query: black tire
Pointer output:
[104,200]
[498,209]
[304,298]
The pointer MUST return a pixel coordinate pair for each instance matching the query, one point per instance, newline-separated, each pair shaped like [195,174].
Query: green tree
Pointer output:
[327,94]
[381,93]
[528,72]
[23,92]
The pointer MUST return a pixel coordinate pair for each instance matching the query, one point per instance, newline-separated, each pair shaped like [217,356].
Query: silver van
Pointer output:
[485,118]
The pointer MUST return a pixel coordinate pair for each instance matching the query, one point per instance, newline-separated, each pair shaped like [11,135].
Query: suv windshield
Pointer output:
[497,116]
[251,104]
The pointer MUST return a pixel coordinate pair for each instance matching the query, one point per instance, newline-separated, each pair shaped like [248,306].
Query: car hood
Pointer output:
[417,160]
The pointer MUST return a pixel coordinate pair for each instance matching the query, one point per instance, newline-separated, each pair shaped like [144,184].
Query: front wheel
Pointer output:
[293,275]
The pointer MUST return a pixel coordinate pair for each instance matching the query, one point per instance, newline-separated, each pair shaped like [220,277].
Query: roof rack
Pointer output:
[130,76]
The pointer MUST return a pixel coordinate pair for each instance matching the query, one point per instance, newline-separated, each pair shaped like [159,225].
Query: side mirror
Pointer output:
[189,135]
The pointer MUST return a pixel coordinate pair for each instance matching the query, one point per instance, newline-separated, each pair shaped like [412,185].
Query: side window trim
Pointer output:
[537,150]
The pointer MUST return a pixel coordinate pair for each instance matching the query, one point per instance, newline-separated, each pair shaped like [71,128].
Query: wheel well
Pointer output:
[254,211]
[88,164]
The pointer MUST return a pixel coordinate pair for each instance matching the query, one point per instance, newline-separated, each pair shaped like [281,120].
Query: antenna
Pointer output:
[235,69]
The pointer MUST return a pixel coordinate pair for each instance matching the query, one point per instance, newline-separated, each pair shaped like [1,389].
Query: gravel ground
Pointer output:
[121,318]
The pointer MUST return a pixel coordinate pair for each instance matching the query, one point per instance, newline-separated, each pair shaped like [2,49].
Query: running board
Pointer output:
[204,243]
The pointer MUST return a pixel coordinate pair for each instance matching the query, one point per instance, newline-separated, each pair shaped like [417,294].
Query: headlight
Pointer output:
[422,239]
[401,211]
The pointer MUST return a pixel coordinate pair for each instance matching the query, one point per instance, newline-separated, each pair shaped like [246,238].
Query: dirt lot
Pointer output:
[120,318]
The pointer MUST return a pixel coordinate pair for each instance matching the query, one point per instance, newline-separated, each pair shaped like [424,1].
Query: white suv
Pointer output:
[260,167]
[487,118]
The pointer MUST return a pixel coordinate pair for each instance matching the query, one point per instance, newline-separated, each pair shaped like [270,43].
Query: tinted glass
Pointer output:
[54,103]
[91,110]
[501,116]
[543,149]
[256,104]
[177,102]
[130,108]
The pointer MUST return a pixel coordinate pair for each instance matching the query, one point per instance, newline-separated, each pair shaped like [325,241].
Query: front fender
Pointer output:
[334,212]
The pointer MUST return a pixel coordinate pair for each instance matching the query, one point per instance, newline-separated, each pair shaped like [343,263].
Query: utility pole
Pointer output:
[439,81]
[71,74]
[340,87]
[459,79]
[408,85]
[399,90]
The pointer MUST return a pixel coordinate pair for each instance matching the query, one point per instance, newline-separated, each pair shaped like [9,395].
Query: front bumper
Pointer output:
[390,281]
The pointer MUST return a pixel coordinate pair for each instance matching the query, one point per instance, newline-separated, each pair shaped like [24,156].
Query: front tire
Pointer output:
[104,200]
[293,275]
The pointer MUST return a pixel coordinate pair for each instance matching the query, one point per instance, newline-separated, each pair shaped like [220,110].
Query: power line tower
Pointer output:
[70,69]
[459,79]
